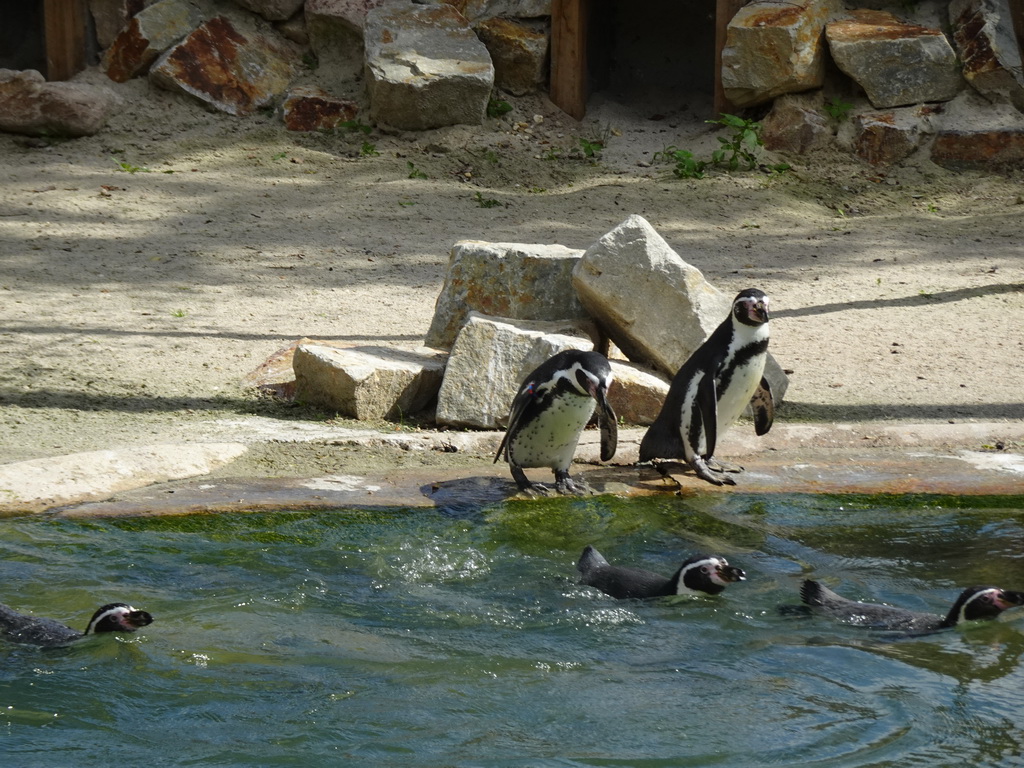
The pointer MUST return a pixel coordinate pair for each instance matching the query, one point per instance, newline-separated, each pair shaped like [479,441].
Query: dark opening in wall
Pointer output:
[653,54]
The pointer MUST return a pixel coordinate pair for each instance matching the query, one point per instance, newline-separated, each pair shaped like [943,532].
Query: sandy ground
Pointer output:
[144,272]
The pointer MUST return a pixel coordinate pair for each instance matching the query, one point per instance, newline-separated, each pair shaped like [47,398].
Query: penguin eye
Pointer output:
[705,569]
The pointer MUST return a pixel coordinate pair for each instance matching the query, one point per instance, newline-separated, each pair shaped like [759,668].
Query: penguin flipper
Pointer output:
[608,422]
[523,398]
[763,406]
[705,408]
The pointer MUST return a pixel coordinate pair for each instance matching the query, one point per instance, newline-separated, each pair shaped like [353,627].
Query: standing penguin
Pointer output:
[712,388]
[550,411]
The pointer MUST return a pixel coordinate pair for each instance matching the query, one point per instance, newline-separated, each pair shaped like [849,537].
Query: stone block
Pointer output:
[367,382]
[896,64]
[511,280]
[886,137]
[636,394]
[32,106]
[991,58]
[796,124]
[475,10]
[109,17]
[772,49]
[425,68]
[312,109]
[489,360]
[519,52]
[996,149]
[272,10]
[228,66]
[335,29]
[148,34]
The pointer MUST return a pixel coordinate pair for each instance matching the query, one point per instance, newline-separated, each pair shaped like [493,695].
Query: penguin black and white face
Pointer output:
[705,573]
[750,307]
[118,617]
[978,603]
[588,382]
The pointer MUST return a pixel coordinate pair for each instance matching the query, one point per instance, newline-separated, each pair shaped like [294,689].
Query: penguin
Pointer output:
[114,617]
[552,407]
[701,574]
[973,604]
[711,390]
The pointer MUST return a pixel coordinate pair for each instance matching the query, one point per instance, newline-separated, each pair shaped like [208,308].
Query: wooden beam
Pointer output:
[569,56]
[64,26]
[724,11]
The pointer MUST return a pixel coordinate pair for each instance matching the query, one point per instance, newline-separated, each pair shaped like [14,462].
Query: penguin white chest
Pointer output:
[743,378]
[550,439]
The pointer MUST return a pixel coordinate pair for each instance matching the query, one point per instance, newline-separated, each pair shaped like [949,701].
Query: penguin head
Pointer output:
[708,574]
[118,617]
[976,603]
[589,374]
[750,307]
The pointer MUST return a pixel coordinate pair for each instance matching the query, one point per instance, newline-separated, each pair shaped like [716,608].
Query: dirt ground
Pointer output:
[145,271]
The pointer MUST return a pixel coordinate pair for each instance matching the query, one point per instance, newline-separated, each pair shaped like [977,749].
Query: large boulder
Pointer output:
[885,137]
[490,359]
[229,66]
[984,37]
[897,64]
[367,382]
[512,280]
[272,10]
[796,124]
[474,10]
[32,106]
[772,49]
[519,52]
[425,67]
[149,33]
[637,393]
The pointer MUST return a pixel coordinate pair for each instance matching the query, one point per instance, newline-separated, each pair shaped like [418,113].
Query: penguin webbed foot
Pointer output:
[720,466]
[704,472]
[566,486]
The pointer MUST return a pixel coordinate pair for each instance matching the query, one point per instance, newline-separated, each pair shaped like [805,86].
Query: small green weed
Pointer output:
[355,125]
[591,147]
[486,202]
[498,107]
[414,172]
[368,150]
[179,313]
[127,167]
[837,109]
[741,146]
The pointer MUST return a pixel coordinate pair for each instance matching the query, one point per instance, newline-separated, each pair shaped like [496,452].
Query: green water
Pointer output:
[433,638]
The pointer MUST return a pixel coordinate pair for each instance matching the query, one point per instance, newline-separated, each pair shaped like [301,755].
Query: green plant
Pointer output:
[741,146]
[486,202]
[129,168]
[179,313]
[355,125]
[591,147]
[687,167]
[837,109]
[497,107]
[414,172]
[368,150]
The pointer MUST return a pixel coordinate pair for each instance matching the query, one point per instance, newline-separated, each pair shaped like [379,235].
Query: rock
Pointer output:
[632,282]
[272,10]
[228,66]
[312,109]
[896,64]
[519,52]
[32,106]
[636,394]
[772,49]
[655,307]
[996,149]
[335,29]
[989,52]
[475,10]
[425,68]
[795,124]
[111,16]
[490,359]
[886,137]
[511,280]
[148,34]
[294,29]
[367,382]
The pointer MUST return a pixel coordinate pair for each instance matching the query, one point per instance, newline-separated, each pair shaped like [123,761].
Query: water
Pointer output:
[460,638]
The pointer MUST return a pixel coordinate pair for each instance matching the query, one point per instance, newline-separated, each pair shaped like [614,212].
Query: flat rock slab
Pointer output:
[149,33]
[228,66]
[984,37]
[313,109]
[510,280]
[34,107]
[636,394]
[37,484]
[425,67]
[368,382]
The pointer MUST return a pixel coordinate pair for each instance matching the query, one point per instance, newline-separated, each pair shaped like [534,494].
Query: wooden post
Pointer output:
[569,56]
[724,11]
[1017,17]
[64,26]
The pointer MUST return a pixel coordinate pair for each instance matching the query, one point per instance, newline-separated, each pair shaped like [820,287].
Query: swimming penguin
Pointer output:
[550,411]
[115,617]
[701,574]
[712,388]
[973,604]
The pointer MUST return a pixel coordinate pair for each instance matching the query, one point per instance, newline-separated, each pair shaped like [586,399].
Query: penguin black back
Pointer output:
[32,630]
[700,574]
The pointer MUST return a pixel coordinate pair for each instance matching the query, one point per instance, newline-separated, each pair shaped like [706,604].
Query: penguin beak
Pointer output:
[731,574]
[760,312]
[1007,599]
[136,620]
